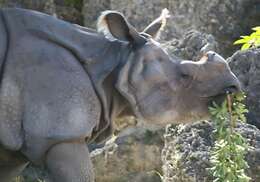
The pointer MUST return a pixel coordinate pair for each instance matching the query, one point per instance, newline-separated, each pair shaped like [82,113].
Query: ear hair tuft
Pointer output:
[102,25]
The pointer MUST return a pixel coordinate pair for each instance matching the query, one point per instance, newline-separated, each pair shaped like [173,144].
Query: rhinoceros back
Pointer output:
[52,94]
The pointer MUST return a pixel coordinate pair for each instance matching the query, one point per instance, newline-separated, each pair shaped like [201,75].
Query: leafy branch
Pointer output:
[228,155]
[250,41]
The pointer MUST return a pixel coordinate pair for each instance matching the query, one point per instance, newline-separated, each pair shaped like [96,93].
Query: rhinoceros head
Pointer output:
[162,88]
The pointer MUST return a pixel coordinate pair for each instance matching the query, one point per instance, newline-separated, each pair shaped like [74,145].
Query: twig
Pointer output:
[229,102]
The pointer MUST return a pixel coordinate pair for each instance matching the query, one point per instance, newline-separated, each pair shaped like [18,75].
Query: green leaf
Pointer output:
[240,41]
[252,40]
[256,28]
[245,46]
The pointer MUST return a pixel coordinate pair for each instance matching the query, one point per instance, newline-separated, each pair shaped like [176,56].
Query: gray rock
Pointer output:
[226,20]
[187,149]
[192,45]
[92,9]
[46,6]
[246,65]
[135,157]
[69,11]
[58,8]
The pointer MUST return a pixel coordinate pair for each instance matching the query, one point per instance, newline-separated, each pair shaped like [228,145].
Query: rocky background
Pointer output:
[187,150]
[195,26]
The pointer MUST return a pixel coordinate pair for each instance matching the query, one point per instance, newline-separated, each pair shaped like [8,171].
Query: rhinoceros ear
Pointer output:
[157,25]
[114,25]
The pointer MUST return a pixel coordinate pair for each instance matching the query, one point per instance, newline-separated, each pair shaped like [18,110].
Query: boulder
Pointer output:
[134,156]
[62,9]
[69,10]
[226,20]
[187,150]
[246,65]
[46,6]
[192,45]
[92,9]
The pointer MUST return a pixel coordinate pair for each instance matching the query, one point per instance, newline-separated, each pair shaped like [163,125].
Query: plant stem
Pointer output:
[229,103]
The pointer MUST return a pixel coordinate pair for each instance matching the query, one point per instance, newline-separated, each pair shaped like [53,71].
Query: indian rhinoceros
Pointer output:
[62,85]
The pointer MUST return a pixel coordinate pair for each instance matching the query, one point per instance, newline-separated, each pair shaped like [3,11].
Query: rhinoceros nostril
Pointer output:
[232,89]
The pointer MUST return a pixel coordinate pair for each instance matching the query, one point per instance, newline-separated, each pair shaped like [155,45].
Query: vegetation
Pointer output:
[250,41]
[228,155]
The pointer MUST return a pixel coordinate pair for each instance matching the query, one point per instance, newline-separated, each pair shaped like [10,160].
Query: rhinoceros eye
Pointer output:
[186,79]
[185,76]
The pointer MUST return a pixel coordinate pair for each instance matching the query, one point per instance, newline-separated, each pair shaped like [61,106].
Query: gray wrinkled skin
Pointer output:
[63,84]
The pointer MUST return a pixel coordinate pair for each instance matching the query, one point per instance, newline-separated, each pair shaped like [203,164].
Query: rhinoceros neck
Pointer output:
[103,71]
